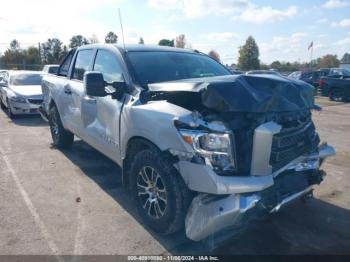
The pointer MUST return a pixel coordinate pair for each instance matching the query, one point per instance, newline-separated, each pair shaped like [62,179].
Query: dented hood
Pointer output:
[244,93]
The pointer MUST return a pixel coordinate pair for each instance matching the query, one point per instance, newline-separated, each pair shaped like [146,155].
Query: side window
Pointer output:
[64,68]
[107,64]
[82,63]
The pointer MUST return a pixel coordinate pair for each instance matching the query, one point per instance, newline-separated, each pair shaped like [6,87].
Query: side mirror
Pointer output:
[94,84]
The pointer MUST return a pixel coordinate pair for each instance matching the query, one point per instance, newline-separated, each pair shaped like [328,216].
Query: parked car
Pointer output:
[336,87]
[50,69]
[236,72]
[310,77]
[263,72]
[20,92]
[336,71]
[198,146]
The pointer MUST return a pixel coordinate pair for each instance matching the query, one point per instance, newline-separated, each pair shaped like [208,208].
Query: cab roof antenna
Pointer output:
[121,25]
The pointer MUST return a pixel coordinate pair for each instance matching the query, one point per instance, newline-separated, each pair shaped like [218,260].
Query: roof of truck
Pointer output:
[142,48]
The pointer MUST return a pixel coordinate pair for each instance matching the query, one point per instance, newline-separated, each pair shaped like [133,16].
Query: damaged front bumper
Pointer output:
[225,201]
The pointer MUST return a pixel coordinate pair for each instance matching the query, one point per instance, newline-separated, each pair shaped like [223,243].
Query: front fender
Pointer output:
[155,122]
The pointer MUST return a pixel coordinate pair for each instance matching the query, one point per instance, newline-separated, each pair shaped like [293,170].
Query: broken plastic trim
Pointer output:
[204,219]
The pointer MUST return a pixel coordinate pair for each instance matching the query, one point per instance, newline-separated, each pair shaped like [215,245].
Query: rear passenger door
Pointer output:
[102,115]
[74,90]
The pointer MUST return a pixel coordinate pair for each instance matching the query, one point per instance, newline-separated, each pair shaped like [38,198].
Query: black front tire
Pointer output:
[9,111]
[61,137]
[3,107]
[178,196]
[337,94]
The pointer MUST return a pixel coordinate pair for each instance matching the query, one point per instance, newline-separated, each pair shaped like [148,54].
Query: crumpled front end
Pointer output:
[284,165]
[251,146]
[241,203]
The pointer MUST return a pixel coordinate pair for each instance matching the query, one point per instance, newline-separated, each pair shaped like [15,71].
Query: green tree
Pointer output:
[141,42]
[111,38]
[346,58]
[52,51]
[78,40]
[215,55]
[32,55]
[166,42]
[13,57]
[14,45]
[328,61]
[249,55]
[276,65]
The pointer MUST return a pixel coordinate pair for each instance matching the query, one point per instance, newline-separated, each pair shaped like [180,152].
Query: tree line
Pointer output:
[53,50]
[50,52]
[249,60]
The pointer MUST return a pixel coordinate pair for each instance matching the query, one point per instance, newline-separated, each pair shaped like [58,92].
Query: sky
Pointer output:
[283,30]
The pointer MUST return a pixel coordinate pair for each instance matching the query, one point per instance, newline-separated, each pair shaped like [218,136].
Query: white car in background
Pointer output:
[20,92]
[50,69]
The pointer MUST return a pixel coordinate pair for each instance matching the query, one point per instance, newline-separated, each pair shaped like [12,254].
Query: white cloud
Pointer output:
[243,9]
[165,4]
[267,14]
[220,36]
[342,23]
[36,21]
[159,32]
[198,8]
[284,46]
[345,41]
[331,4]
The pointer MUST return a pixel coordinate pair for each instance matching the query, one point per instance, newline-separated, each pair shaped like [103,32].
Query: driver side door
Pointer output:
[100,116]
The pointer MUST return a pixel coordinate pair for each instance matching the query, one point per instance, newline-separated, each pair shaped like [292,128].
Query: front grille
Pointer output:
[35,101]
[290,144]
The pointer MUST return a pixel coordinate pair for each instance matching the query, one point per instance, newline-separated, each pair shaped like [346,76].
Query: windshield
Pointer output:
[341,71]
[155,67]
[26,79]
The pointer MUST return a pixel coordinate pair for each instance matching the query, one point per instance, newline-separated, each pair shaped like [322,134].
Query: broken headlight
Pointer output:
[215,148]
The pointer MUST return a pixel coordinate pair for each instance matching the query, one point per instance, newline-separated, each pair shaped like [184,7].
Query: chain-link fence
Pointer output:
[23,66]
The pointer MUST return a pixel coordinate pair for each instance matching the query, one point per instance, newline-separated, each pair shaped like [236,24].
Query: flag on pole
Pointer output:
[311,45]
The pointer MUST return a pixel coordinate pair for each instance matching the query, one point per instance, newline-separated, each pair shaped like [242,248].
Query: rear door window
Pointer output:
[82,63]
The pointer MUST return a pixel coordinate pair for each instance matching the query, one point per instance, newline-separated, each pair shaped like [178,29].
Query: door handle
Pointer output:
[90,100]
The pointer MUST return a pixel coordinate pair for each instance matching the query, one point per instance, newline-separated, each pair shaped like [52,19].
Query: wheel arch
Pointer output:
[345,90]
[136,144]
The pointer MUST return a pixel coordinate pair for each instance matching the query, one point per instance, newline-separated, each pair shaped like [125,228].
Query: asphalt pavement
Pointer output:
[72,202]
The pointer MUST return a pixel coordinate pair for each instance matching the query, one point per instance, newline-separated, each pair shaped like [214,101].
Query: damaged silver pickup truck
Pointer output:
[199,148]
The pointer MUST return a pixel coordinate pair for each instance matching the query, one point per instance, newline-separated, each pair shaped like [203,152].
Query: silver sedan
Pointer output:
[20,92]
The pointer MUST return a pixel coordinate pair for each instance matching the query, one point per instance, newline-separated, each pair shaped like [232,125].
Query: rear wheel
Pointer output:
[161,196]
[337,95]
[61,137]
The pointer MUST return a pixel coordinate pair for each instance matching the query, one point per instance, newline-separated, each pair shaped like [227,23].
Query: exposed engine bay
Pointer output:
[273,154]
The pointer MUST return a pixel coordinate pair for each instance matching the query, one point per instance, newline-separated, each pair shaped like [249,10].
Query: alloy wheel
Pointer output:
[54,126]
[151,192]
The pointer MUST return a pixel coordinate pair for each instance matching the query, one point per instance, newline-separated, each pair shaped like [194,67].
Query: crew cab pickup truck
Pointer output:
[336,87]
[200,148]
